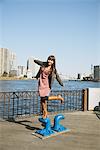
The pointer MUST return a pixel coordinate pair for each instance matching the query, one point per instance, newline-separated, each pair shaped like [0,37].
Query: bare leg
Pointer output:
[44,108]
[41,107]
[58,97]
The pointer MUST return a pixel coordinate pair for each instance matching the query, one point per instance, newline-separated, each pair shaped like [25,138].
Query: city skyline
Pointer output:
[10,68]
[67,29]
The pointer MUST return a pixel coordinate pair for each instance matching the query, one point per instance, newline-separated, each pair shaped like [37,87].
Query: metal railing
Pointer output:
[23,103]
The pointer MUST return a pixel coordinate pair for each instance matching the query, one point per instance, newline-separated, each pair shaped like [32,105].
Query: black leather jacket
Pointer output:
[51,77]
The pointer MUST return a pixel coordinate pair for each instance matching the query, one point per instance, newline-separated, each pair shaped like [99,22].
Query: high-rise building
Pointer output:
[4,61]
[97,73]
[7,61]
[1,59]
[32,68]
[79,76]
[21,71]
[13,61]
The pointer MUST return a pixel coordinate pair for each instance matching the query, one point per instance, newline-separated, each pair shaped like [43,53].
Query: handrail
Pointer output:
[19,103]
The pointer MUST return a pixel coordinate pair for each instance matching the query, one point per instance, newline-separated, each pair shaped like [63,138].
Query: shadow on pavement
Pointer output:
[26,123]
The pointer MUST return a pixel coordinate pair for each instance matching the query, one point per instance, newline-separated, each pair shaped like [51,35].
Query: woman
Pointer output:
[46,75]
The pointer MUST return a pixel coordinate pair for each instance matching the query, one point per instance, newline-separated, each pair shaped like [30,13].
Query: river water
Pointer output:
[29,85]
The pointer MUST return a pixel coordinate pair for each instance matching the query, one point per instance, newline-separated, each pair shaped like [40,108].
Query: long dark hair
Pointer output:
[52,57]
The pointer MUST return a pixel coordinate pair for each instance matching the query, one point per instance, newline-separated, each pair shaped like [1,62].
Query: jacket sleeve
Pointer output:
[58,78]
[38,74]
[41,63]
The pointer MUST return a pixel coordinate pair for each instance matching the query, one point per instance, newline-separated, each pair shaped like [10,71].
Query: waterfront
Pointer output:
[29,85]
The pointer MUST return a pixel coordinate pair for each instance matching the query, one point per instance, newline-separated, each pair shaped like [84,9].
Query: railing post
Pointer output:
[13,103]
[85,99]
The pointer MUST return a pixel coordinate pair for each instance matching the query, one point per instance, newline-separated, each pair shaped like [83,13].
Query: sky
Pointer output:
[68,29]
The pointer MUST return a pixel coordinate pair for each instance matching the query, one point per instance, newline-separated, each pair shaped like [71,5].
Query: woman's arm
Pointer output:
[37,75]
[58,78]
[41,63]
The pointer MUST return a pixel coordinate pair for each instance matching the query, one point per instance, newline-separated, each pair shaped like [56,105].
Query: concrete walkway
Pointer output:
[84,134]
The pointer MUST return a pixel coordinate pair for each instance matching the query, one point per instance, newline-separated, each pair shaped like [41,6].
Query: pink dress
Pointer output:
[43,87]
